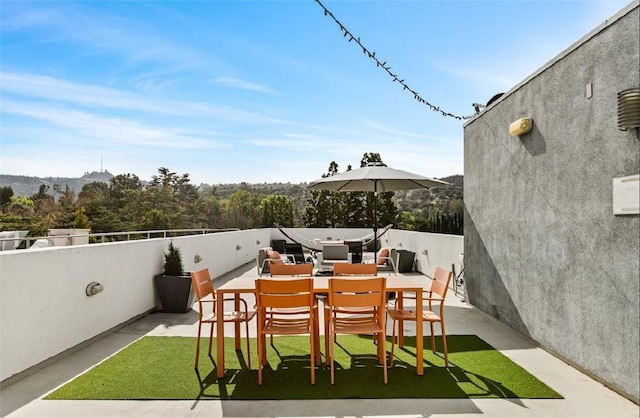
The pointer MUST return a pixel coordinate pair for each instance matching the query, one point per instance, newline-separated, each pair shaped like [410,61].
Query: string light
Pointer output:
[350,37]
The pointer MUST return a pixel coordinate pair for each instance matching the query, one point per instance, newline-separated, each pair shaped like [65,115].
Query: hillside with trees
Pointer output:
[107,203]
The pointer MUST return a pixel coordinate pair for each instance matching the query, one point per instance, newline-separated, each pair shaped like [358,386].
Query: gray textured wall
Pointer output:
[543,251]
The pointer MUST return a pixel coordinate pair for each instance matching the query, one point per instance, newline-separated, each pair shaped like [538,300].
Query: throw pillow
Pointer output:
[382,255]
[274,257]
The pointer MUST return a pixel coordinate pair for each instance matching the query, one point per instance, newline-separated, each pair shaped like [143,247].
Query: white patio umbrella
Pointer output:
[375,177]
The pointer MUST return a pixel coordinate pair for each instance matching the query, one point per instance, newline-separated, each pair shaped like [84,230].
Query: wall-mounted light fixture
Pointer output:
[257,242]
[94,288]
[238,248]
[197,259]
[521,126]
[629,109]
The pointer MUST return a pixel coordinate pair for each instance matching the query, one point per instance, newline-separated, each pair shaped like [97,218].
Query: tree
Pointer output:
[6,192]
[81,220]
[276,209]
[241,210]
[44,206]
[209,212]
[155,219]
[324,209]
[123,184]
[21,206]
[387,211]
[174,196]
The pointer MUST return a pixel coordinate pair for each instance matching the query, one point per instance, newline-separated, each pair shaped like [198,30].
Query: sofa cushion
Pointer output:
[274,257]
[382,256]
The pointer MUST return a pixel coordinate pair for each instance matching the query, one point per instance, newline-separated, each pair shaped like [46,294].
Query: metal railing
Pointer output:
[102,237]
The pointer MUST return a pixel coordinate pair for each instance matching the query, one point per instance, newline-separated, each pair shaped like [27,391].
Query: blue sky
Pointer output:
[261,91]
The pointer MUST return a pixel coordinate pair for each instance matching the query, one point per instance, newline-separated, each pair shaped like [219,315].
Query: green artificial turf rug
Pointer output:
[162,368]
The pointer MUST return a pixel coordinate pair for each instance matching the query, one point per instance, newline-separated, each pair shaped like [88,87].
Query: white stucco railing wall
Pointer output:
[44,309]
[432,250]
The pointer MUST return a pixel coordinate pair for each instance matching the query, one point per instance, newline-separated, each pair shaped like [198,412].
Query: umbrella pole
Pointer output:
[375,220]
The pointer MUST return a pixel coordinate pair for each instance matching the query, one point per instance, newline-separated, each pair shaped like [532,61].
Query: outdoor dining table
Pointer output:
[246,285]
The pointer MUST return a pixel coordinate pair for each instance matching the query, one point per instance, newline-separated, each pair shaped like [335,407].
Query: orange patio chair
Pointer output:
[366,295]
[357,269]
[281,269]
[347,270]
[437,293]
[206,296]
[285,307]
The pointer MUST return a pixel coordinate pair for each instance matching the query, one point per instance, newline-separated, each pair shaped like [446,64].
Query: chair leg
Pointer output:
[433,338]
[444,344]
[316,337]
[393,343]
[326,335]
[198,346]
[260,357]
[330,359]
[211,336]
[246,323]
[312,344]
[384,357]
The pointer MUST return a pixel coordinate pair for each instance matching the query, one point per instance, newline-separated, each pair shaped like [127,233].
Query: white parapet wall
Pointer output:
[44,309]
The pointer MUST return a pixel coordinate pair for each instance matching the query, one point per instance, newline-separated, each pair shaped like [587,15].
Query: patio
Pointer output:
[584,397]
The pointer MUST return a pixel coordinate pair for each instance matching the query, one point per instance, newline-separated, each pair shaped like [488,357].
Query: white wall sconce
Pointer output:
[521,126]
[629,109]
[94,288]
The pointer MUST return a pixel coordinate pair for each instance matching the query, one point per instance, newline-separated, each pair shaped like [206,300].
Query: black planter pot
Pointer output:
[174,292]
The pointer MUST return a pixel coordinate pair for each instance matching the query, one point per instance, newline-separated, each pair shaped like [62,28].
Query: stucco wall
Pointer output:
[543,251]
[43,306]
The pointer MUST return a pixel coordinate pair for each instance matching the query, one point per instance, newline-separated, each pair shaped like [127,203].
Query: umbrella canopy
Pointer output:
[375,177]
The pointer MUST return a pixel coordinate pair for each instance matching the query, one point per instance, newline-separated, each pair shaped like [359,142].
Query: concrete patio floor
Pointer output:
[583,396]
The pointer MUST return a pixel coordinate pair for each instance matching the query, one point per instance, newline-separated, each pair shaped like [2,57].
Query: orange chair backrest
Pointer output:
[346,269]
[305,269]
[290,293]
[357,293]
[202,284]
[441,282]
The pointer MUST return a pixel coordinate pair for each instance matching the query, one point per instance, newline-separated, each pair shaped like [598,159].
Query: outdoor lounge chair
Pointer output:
[295,252]
[266,257]
[333,254]
[355,249]
[385,259]
[278,245]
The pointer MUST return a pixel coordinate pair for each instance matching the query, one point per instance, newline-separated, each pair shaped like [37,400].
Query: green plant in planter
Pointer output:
[174,285]
[173,261]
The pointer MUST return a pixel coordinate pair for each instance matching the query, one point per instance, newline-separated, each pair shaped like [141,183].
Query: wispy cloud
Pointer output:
[44,87]
[89,127]
[236,83]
